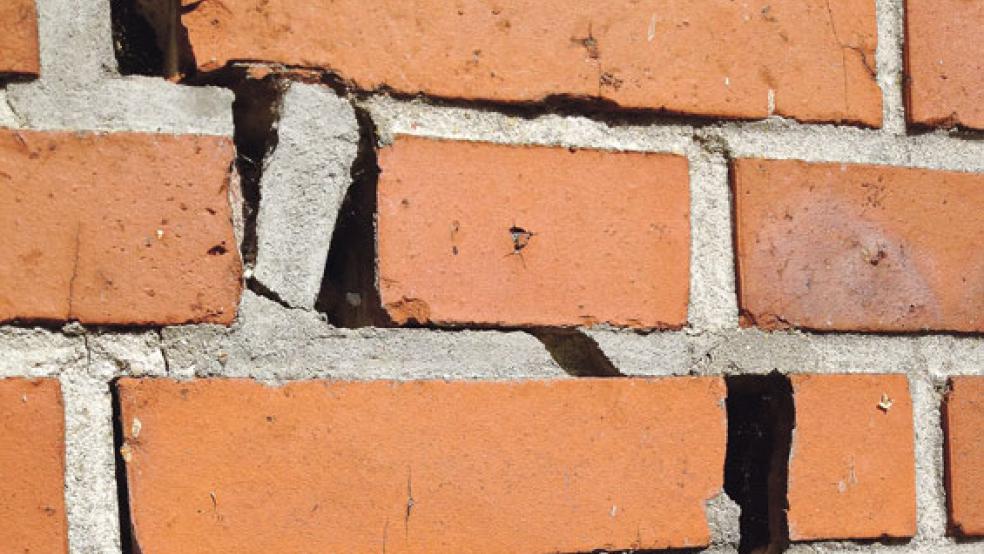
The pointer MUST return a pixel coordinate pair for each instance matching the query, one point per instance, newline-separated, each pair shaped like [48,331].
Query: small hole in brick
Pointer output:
[217,250]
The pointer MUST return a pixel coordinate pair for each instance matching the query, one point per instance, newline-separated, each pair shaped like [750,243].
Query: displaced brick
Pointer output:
[477,233]
[852,464]
[19,53]
[119,228]
[32,467]
[944,62]
[964,423]
[426,466]
[813,60]
[865,248]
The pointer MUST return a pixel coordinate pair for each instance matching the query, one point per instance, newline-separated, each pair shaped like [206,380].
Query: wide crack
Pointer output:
[349,293]
[761,418]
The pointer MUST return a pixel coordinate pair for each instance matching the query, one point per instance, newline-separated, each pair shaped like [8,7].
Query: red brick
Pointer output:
[536,466]
[19,54]
[852,465]
[945,62]
[32,466]
[865,248]
[609,243]
[964,423]
[701,57]
[118,228]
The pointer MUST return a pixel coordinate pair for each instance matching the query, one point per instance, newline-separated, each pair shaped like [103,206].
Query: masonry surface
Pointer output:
[491,277]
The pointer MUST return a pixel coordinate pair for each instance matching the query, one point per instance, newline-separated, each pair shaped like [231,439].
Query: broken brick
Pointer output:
[515,236]
[32,466]
[845,247]
[19,51]
[116,228]
[964,424]
[813,60]
[852,461]
[427,466]
[944,62]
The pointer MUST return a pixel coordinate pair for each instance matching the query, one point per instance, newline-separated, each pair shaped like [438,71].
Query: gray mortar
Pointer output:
[76,41]
[273,343]
[303,184]
[135,354]
[890,64]
[723,519]
[751,351]
[81,90]
[90,468]
[713,303]
[134,103]
[38,352]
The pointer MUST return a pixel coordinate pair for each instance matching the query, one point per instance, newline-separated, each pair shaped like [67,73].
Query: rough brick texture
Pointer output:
[964,422]
[852,464]
[850,247]
[812,59]
[537,466]
[19,53]
[945,62]
[117,228]
[32,466]
[522,235]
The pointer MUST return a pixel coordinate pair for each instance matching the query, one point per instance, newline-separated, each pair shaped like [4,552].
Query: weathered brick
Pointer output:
[432,466]
[813,59]
[118,228]
[945,62]
[852,247]
[852,464]
[19,54]
[32,467]
[524,235]
[964,423]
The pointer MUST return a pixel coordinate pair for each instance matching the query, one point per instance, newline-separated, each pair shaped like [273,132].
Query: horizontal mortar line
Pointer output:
[699,353]
[771,138]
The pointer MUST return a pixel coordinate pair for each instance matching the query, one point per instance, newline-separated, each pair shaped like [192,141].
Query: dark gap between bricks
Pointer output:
[149,38]
[576,353]
[761,418]
[255,112]
[349,295]
[128,538]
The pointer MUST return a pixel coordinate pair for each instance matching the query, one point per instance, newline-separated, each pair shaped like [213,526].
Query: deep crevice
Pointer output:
[135,40]
[761,419]
[576,353]
[128,539]
[150,39]
[255,112]
[349,293]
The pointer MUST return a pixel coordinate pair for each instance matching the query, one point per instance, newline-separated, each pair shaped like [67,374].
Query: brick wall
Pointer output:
[510,276]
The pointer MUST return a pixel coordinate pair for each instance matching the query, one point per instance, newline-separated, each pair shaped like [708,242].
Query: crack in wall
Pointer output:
[761,418]
[576,353]
[349,288]
[128,534]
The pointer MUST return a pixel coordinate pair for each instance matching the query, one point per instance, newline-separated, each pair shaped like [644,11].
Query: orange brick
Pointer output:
[852,465]
[964,423]
[523,235]
[859,248]
[19,54]
[945,62]
[536,466]
[32,467]
[815,58]
[118,228]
